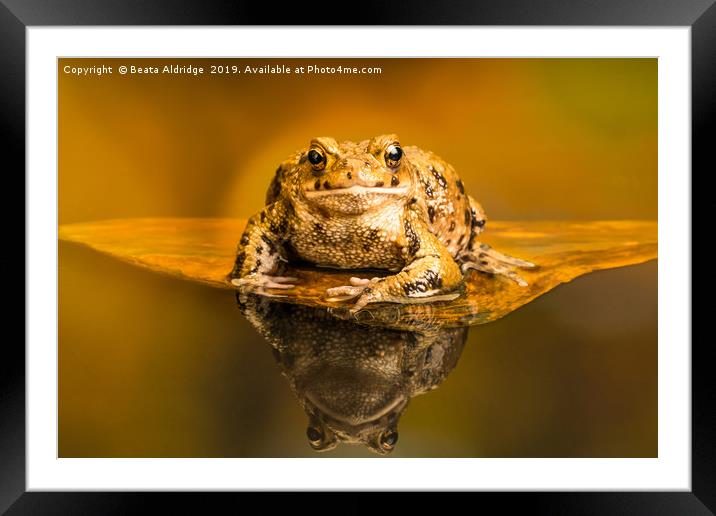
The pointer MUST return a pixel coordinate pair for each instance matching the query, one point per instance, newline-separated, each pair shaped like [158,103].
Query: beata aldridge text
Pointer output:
[167,69]
[133,69]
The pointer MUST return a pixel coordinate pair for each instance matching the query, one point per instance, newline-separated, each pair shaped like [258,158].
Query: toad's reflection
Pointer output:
[353,380]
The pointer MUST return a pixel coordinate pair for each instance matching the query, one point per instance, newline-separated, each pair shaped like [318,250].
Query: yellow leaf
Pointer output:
[204,249]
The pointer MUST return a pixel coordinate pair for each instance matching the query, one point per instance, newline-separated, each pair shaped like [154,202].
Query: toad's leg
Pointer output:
[431,274]
[482,257]
[260,255]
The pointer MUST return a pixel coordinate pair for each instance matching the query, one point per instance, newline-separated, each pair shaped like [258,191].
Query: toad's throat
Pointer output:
[358,190]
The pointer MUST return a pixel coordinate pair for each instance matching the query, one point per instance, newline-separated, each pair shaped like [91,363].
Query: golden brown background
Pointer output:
[151,366]
[532,138]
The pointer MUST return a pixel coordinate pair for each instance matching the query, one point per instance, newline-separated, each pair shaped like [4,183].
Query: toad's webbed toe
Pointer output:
[482,257]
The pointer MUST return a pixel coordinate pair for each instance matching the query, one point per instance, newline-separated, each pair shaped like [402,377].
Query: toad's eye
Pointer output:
[315,435]
[317,159]
[392,155]
[388,439]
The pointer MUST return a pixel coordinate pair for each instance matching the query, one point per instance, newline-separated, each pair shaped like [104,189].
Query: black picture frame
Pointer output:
[17,15]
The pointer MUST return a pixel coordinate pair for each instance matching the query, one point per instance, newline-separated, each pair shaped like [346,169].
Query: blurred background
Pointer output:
[532,138]
[151,366]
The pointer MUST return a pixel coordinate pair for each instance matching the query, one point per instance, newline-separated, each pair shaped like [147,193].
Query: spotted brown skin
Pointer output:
[370,205]
[353,381]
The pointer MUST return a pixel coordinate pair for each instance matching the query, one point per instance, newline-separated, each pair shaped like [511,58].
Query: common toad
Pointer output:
[370,205]
[353,381]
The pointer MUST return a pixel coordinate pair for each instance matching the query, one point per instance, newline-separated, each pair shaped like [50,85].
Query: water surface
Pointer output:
[151,366]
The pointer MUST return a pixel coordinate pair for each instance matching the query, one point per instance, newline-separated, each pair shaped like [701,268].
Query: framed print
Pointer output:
[447,254]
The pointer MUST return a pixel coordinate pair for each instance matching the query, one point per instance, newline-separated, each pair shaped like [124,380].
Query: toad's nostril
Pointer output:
[349,175]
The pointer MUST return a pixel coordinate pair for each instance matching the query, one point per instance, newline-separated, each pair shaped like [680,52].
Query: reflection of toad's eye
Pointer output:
[315,435]
[317,159]
[392,155]
[388,439]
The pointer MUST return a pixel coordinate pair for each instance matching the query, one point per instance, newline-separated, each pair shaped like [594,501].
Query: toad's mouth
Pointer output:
[357,190]
[398,402]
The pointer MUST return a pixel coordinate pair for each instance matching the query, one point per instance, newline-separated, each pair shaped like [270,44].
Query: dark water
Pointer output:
[151,366]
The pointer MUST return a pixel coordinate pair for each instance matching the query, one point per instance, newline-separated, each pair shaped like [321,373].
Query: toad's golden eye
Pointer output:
[317,159]
[388,439]
[315,435]
[392,155]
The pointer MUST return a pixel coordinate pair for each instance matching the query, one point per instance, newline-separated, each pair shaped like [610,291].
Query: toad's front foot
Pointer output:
[258,283]
[383,290]
[359,288]
[484,258]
